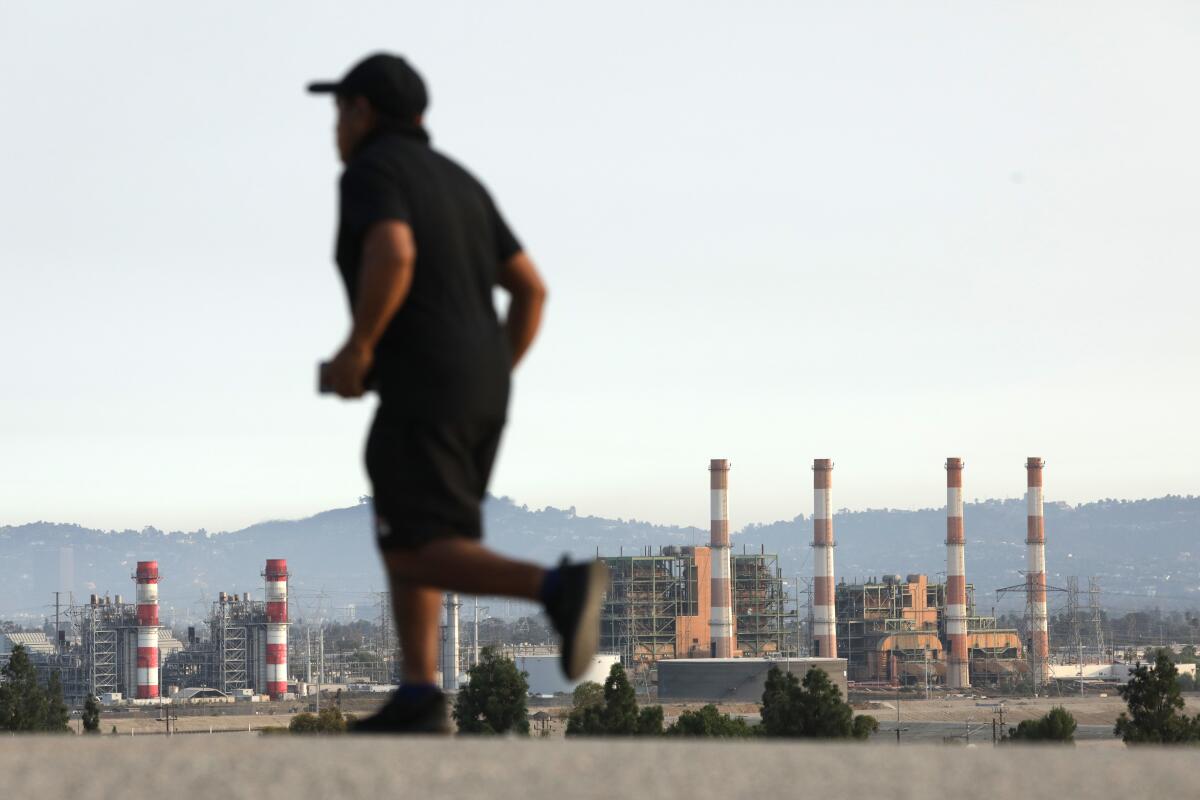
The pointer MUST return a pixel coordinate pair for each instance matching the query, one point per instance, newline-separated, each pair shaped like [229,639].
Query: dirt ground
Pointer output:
[1091,710]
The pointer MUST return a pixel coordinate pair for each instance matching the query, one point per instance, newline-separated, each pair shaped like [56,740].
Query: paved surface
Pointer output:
[251,766]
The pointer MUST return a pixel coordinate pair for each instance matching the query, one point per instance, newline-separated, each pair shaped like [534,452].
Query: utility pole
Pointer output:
[475,636]
[1081,668]
[321,665]
[897,713]
[57,627]
[926,673]
[307,653]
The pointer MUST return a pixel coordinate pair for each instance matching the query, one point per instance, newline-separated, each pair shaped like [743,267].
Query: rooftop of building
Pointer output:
[32,641]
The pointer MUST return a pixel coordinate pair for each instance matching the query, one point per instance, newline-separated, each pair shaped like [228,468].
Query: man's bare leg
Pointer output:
[464,565]
[417,610]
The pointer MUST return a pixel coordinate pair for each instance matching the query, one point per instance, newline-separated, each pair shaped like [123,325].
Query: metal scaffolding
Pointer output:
[760,605]
[651,594]
[646,595]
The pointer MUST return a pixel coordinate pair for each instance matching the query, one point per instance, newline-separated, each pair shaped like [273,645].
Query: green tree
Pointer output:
[22,700]
[650,721]
[91,715]
[863,726]
[620,704]
[303,723]
[811,709]
[780,704]
[588,693]
[330,720]
[55,716]
[495,701]
[586,720]
[1155,707]
[615,712]
[709,721]
[1057,725]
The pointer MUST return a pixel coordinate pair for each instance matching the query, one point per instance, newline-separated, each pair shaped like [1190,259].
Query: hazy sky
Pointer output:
[884,233]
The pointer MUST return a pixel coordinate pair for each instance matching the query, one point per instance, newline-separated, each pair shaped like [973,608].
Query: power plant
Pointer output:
[674,603]
[119,651]
[889,630]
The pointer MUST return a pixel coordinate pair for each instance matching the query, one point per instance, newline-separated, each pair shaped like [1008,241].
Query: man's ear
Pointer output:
[364,109]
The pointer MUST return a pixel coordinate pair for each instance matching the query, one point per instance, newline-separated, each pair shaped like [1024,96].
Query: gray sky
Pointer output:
[884,233]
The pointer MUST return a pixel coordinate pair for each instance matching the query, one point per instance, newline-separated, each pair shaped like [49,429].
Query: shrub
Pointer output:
[710,722]
[1155,707]
[495,700]
[1057,725]
[809,709]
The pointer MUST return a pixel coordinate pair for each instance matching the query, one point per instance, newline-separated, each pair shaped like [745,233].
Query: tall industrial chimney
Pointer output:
[721,619]
[276,593]
[146,579]
[1035,574]
[450,645]
[824,631]
[958,675]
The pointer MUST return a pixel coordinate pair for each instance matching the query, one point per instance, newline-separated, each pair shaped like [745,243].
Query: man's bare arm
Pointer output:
[384,279]
[520,279]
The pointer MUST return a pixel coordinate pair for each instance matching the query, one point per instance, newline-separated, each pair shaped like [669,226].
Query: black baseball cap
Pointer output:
[388,82]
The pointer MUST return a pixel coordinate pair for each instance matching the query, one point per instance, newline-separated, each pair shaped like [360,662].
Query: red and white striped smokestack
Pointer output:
[721,619]
[146,579]
[276,593]
[1035,572]
[824,631]
[958,675]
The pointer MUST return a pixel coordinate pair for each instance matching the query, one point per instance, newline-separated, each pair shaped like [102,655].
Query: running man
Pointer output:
[420,246]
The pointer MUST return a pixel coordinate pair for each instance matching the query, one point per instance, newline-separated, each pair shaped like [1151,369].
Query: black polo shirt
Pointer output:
[444,354]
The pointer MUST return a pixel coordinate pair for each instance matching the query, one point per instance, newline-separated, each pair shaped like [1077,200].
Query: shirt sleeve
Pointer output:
[369,195]
[507,245]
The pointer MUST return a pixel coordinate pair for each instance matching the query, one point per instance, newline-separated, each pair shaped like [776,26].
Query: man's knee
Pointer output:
[403,564]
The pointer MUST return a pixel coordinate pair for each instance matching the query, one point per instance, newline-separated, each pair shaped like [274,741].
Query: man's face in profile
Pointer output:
[354,120]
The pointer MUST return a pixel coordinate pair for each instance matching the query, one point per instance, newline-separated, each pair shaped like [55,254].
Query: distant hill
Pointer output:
[1146,552]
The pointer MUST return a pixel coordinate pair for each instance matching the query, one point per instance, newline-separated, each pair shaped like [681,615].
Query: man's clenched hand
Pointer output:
[346,374]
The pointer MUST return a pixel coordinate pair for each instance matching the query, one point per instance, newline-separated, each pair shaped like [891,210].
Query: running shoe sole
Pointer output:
[577,654]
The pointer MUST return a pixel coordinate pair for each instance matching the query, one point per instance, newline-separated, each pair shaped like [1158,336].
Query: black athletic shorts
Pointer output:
[429,477]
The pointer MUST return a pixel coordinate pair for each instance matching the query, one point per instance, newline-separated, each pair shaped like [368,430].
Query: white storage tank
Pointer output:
[546,676]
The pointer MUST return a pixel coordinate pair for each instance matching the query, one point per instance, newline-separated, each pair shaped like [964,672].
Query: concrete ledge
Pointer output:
[250,766]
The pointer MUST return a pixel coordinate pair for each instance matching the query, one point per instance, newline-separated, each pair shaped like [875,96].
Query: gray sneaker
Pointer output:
[575,611]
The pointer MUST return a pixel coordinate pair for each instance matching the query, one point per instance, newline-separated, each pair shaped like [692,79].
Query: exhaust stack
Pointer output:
[146,580]
[958,674]
[276,592]
[824,631]
[721,619]
[1035,574]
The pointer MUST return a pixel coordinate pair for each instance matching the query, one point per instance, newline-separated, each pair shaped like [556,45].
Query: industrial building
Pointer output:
[115,649]
[247,642]
[659,606]
[894,630]
[736,680]
[694,603]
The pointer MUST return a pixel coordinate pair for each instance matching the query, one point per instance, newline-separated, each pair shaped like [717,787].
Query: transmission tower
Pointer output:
[1097,619]
[1076,635]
